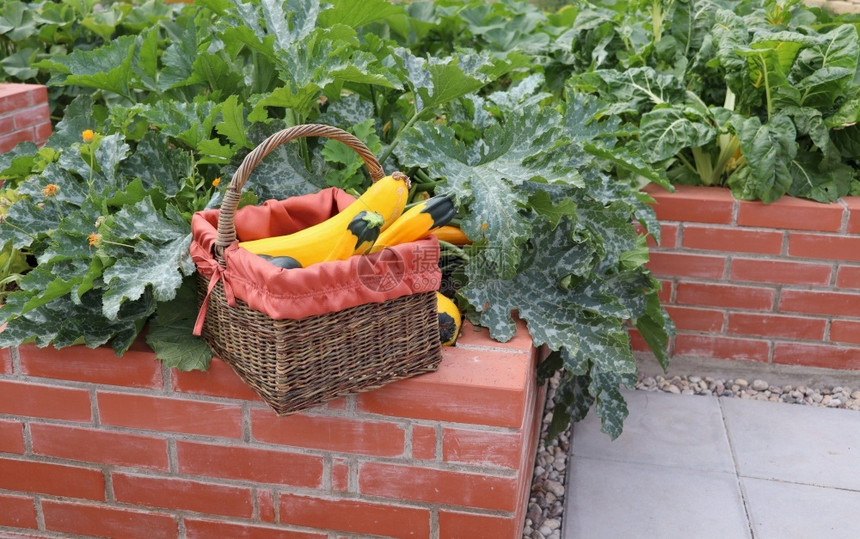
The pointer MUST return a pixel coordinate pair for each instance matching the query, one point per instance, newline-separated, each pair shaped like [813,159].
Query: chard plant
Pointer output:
[761,97]
[471,99]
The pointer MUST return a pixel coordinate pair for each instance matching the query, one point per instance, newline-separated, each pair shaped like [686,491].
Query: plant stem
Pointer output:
[704,167]
[387,153]
[729,144]
[657,19]
[451,247]
[686,163]
[766,87]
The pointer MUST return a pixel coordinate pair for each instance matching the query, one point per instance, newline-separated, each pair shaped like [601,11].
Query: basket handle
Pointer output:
[226,217]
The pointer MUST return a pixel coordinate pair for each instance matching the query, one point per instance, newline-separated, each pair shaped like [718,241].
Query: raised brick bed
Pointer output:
[776,283]
[24,115]
[98,445]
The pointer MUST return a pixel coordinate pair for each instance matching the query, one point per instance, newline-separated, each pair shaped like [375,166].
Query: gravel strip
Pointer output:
[546,501]
[831,397]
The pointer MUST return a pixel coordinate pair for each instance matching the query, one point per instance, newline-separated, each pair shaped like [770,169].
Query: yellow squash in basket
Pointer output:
[386,197]
[417,222]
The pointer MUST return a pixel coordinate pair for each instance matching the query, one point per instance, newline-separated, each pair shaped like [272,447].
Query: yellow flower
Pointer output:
[216,181]
[94,240]
[50,190]
[484,226]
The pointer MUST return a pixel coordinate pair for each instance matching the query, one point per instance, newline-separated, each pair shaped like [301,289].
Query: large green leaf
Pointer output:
[78,117]
[665,131]
[63,322]
[191,123]
[635,90]
[811,180]
[822,70]
[558,316]
[169,333]
[112,150]
[572,402]
[768,150]
[232,124]
[730,33]
[17,22]
[179,57]
[357,14]
[611,406]
[489,172]
[158,165]
[106,68]
[436,80]
[20,64]
[283,173]
[158,260]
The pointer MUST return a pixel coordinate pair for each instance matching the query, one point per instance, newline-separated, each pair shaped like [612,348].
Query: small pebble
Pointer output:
[760,385]
[555,487]
[552,523]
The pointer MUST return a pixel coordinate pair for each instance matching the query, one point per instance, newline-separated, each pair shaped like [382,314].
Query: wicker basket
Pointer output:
[298,364]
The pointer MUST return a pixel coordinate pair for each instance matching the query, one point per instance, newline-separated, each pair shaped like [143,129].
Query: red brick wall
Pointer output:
[24,115]
[98,445]
[776,283]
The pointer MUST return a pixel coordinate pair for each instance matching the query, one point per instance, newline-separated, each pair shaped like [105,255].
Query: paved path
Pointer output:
[701,467]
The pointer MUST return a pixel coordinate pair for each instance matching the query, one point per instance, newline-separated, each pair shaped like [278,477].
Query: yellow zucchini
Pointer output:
[386,197]
[450,321]
[452,234]
[358,237]
[417,222]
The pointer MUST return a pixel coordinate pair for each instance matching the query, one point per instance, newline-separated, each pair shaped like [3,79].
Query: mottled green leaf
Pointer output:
[489,172]
[158,165]
[78,117]
[435,81]
[572,403]
[611,406]
[111,151]
[159,266]
[283,174]
[191,123]
[169,333]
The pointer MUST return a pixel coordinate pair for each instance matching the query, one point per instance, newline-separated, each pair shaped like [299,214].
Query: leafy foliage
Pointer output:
[470,99]
[742,93]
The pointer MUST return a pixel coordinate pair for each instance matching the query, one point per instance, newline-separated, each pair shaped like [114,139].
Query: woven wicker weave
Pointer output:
[298,364]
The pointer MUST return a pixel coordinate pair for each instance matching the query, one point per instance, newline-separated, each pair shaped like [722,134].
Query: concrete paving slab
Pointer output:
[799,444]
[683,431]
[610,499]
[781,510]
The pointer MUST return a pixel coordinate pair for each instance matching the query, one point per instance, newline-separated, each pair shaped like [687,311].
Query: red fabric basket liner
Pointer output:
[394,272]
